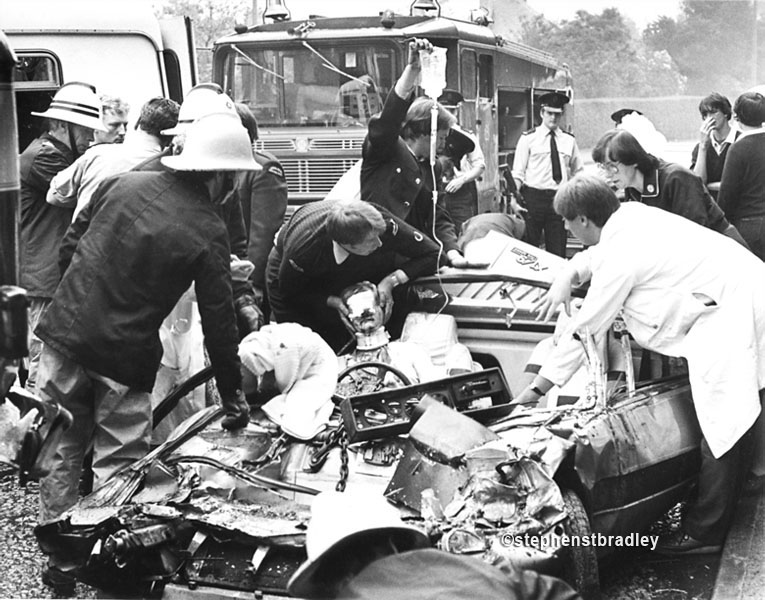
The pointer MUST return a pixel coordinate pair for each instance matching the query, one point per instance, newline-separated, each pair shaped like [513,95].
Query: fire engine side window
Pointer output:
[468,74]
[486,76]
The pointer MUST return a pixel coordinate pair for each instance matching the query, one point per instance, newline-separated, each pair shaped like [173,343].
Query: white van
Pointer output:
[119,46]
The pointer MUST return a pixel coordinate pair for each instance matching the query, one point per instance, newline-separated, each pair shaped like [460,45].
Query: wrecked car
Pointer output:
[212,512]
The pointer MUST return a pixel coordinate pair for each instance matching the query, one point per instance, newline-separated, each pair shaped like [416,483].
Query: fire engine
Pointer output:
[313,85]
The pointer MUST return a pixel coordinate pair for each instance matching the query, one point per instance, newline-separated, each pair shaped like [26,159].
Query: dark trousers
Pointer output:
[541,218]
[709,514]
[462,204]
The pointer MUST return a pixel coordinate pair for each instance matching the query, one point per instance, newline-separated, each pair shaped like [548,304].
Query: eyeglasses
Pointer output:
[608,167]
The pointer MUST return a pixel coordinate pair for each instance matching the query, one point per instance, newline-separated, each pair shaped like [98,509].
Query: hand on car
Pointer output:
[559,293]
[458,261]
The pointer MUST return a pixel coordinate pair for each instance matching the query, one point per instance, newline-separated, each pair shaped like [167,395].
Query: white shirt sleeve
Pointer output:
[612,278]
[521,159]
[65,185]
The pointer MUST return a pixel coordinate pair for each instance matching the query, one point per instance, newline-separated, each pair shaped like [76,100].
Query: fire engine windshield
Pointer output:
[311,84]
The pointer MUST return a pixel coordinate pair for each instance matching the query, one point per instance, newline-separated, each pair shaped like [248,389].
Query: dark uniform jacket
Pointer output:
[302,271]
[126,260]
[263,198]
[229,209]
[678,190]
[393,178]
[42,224]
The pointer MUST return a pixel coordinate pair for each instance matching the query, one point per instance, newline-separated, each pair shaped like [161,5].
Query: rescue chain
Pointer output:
[272,454]
[340,487]
[319,456]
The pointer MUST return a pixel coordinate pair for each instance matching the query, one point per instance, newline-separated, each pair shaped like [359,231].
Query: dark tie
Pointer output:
[557,176]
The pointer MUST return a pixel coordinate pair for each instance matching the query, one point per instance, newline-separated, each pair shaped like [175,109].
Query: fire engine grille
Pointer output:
[289,145]
[315,175]
[337,143]
[275,145]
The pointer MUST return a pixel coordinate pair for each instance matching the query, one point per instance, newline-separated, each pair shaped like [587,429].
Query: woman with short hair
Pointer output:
[656,182]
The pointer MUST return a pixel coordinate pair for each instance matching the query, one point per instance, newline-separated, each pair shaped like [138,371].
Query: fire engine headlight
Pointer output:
[301,144]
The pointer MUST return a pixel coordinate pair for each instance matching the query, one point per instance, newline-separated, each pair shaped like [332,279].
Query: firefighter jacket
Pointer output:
[393,178]
[42,225]
[128,257]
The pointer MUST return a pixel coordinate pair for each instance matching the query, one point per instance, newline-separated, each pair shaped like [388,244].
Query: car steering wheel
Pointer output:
[367,377]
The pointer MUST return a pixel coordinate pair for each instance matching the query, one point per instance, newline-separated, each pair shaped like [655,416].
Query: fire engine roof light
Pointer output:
[387,18]
[481,16]
[276,11]
[425,5]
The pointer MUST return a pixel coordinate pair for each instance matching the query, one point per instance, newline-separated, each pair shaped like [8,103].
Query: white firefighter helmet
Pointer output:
[202,99]
[214,142]
[75,102]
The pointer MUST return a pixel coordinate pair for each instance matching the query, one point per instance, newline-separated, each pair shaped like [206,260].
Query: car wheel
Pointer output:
[580,562]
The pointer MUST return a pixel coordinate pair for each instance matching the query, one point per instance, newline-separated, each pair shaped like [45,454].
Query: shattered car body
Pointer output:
[225,513]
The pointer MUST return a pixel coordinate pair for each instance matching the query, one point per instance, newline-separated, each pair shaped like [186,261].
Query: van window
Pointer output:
[36,77]
[37,70]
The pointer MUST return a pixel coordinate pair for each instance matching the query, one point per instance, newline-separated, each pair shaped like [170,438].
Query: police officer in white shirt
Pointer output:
[545,157]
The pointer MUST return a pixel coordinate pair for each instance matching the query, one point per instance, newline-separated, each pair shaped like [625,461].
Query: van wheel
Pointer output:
[580,567]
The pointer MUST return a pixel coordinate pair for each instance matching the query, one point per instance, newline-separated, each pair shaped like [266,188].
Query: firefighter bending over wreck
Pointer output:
[126,260]
[329,245]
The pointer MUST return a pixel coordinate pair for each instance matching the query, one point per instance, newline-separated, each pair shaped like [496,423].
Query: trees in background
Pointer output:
[605,54]
[707,47]
[711,44]
[212,20]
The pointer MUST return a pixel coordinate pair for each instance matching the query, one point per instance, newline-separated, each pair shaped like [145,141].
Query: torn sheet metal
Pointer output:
[515,492]
[434,455]
[283,526]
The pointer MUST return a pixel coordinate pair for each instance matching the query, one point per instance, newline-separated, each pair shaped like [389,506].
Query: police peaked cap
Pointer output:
[450,98]
[618,115]
[554,101]
[457,144]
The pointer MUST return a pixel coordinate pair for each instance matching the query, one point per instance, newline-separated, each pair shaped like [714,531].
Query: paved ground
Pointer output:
[742,569]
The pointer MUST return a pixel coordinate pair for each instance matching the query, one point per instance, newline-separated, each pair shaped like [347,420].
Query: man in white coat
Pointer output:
[690,293]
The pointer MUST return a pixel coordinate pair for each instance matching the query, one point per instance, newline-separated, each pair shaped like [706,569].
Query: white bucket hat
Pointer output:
[337,520]
[202,99]
[75,102]
[215,142]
